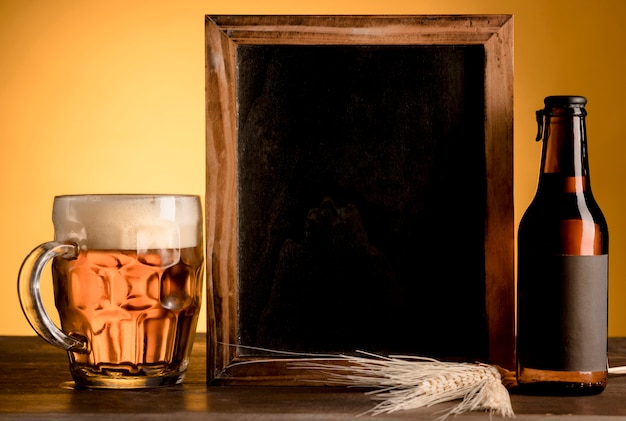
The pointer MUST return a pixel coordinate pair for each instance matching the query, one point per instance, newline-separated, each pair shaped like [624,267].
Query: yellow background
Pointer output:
[108,96]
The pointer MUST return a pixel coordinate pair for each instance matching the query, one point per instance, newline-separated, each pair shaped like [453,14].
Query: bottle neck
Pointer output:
[564,163]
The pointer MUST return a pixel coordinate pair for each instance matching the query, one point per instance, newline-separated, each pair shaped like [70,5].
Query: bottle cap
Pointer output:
[564,100]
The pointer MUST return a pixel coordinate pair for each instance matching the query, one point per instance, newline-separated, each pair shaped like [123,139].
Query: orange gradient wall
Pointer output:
[108,96]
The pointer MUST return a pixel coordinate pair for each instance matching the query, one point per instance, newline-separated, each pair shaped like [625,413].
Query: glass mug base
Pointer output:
[127,376]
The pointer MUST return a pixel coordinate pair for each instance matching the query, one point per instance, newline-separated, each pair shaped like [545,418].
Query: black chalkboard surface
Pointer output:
[362,198]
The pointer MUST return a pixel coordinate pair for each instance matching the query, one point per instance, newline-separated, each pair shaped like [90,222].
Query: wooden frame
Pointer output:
[225,35]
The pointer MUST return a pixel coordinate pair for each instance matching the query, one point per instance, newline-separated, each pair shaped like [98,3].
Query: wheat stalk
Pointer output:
[410,382]
[407,382]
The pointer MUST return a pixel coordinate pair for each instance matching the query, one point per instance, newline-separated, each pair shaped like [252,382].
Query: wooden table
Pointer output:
[35,384]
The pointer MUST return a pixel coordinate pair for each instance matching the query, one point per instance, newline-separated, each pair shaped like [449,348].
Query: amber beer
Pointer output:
[138,317]
[127,274]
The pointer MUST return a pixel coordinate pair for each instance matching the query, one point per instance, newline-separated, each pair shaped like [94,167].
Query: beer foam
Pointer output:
[128,222]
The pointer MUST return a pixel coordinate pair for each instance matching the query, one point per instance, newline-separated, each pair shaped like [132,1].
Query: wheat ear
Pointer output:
[407,382]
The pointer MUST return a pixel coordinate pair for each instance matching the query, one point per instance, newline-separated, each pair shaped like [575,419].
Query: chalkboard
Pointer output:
[360,190]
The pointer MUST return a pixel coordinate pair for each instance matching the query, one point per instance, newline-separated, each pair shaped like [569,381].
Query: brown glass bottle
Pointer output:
[562,265]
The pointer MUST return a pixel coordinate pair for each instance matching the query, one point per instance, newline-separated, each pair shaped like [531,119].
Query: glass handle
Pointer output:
[30,298]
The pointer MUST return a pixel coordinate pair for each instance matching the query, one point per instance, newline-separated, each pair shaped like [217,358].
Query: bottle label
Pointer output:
[562,313]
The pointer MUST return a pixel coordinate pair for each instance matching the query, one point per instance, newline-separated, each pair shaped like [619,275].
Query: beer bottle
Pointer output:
[562,265]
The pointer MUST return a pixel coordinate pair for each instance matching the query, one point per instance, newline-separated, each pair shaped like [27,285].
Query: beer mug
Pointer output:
[127,275]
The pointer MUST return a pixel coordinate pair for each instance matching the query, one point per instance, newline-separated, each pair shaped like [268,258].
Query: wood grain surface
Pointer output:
[35,384]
